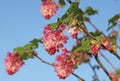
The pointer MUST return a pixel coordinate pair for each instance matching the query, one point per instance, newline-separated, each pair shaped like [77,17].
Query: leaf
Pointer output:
[85,46]
[96,33]
[112,22]
[112,26]
[62,3]
[100,37]
[53,25]
[19,50]
[90,11]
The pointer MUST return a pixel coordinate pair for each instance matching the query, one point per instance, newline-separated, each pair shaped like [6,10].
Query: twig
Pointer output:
[35,54]
[102,66]
[107,60]
[93,71]
[86,32]
[80,79]
[43,61]
[94,27]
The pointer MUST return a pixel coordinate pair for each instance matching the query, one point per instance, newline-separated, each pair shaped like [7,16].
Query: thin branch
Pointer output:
[43,61]
[80,79]
[35,54]
[102,66]
[86,32]
[94,71]
[94,27]
[107,60]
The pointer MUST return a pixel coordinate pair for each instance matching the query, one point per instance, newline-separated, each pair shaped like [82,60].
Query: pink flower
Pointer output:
[63,66]
[48,8]
[62,27]
[73,31]
[94,49]
[13,63]
[53,40]
[113,76]
[106,43]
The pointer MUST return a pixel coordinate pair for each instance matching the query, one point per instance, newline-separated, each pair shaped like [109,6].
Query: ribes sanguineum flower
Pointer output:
[63,66]
[13,63]
[53,40]
[106,43]
[94,49]
[113,76]
[48,8]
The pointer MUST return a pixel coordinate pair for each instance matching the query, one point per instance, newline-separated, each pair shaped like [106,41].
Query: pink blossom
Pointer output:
[94,49]
[48,8]
[13,63]
[106,43]
[73,31]
[62,27]
[63,66]
[53,40]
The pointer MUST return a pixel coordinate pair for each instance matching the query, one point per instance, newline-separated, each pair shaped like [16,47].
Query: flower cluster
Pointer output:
[94,49]
[64,66]
[106,43]
[66,63]
[53,39]
[48,8]
[114,77]
[13,62]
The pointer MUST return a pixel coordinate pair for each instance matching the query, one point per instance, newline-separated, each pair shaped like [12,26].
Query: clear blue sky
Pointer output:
[21,21]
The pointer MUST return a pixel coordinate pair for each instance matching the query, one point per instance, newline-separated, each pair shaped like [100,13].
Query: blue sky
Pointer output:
[21,21]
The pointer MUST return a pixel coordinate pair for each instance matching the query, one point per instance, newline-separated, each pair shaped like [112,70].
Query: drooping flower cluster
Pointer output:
[67,62]
[94,49]
[114,77]
[48,8]
[106,43]
[64,66]
[53,39]
[13,62]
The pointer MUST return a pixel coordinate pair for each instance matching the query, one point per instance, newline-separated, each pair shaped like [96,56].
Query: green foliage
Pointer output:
[62,3]
[53,25]
[26,50]
[90,11]
[112,22]
[96,33]
[84,46]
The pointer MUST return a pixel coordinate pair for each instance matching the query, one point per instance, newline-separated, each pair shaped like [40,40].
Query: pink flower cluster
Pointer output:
[106,43]
[73,31]
[64,66]
[53,39]
[48,8]
[66,63]
[13,62]
[114,77]
[94,49]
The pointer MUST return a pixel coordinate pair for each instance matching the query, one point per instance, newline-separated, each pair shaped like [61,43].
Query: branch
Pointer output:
[80,79]
[102,66]
[107,60]
[86,32]
[94,26]
[94,71]
[35,54]
[43,61]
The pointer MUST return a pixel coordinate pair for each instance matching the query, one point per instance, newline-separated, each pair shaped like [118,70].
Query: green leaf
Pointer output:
[90,11]
[100,37]
[112,22]
[19,50]
[62,3]
[96,33]
[85,46]
[53,25]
